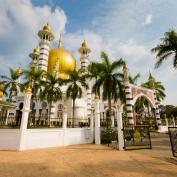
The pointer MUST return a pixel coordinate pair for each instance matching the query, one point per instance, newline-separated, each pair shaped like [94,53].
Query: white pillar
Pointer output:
[91,121]
[7,117]
[112,120]
[173,120]
[24,120]
[64,128]
[97,123]
[92,126]
[64,120]
[166,120]
[120,130]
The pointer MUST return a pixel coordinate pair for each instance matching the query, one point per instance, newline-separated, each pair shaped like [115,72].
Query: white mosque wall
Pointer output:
[9,139]
[45,138]
[78,136]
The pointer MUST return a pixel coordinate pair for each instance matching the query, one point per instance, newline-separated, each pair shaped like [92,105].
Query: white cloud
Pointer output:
[148,19]
[19,23]
[116,30]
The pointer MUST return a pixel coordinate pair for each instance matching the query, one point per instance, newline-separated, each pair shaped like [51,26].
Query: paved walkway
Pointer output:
[83,161]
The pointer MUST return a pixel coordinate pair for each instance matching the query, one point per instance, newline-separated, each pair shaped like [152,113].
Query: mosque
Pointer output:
[26,124]
[58,61]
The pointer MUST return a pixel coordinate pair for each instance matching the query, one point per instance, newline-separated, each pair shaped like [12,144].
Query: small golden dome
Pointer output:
[47,28]
[84,44]
[19,71]
[62,59]
[28,90]
[84,49]
[1,90]
[36,51]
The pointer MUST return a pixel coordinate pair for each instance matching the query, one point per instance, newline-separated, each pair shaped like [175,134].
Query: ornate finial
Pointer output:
[60,41]
[151,77]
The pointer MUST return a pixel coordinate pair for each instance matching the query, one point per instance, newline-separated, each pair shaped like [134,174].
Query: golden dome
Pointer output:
[47,28]
[19,71]
[60,61]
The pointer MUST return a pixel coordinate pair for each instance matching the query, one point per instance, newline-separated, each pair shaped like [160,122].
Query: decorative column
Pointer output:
[84,51]
[157,114]
[46,37]
[52,115]
[92,126]
[24,120]
[112,120]
[120,129]
[128,96]
[35,57]
[64,126]
[97,121]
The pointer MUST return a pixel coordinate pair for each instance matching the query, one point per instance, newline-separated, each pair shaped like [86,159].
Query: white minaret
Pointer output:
[84,51]
[46,37]
[35,57]
[19,72]
[128,95]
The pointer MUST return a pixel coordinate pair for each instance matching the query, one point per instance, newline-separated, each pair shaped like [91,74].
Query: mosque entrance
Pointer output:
[137,135]
[144,113]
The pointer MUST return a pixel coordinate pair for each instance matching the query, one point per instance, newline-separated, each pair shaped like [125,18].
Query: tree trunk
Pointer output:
[109,106]
[73,113]
[50,105]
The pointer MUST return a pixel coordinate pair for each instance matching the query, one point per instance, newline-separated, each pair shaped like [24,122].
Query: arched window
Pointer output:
[60,111]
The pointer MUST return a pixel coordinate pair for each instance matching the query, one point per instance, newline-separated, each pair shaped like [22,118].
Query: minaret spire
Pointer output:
[60,41]
[46,36]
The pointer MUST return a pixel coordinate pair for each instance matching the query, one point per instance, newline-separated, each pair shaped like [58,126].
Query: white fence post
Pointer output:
[24,119]
[92,126]
[97,122]
[64,127]
[120,129]
[112,120]
[64,120]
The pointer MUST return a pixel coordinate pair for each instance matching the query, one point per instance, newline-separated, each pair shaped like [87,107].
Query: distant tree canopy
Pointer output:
[168,111]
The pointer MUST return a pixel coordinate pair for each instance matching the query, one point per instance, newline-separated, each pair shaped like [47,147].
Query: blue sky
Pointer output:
[123,28]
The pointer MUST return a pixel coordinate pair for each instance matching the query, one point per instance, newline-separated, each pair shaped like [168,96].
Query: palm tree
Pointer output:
[76,83]
[11,83]
[33,77]
[110,79]
[157,86]
[51,90]
[166,48]
[133,80]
